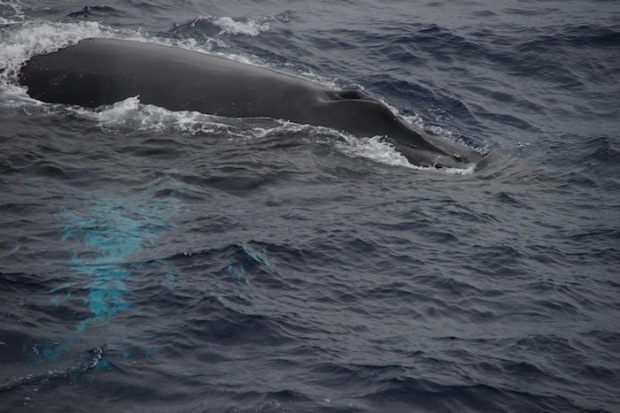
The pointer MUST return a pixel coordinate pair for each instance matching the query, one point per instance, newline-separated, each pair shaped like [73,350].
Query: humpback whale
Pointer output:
[97,72]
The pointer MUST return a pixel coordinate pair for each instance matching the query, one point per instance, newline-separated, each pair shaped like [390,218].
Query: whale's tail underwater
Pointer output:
[97,72]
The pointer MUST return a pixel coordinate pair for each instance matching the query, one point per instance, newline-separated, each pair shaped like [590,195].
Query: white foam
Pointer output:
[372,148]
[250,27]
[378,150]
[11,13]
[233,26]
[130,114]
[33,38]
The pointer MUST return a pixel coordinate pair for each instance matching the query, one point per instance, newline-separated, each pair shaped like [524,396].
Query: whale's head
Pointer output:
[361,115]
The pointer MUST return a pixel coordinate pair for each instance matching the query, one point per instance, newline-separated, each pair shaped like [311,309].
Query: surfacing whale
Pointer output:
[97,72]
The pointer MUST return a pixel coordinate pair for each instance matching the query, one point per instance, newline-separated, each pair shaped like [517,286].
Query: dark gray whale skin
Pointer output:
[97,72]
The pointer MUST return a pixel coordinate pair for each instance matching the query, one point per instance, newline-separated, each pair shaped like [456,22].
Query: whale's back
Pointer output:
[98,72]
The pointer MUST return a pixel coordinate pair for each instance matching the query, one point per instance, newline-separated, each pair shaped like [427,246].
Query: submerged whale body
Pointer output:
[97,72]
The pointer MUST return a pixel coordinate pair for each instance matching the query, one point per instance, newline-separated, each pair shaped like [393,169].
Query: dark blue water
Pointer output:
[177,262]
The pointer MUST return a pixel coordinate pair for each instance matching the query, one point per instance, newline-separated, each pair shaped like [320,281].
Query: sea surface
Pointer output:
[158,261]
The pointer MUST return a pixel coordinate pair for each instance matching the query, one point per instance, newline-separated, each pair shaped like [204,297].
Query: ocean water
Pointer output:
[179,262]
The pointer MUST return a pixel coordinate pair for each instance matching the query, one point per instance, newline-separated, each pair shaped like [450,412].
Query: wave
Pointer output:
[213,26]
[93,360]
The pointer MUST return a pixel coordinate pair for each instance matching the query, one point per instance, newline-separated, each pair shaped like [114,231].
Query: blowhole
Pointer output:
[350,94]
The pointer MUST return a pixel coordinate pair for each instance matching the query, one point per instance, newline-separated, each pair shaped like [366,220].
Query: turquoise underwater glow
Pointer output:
[106,240]
[106,236]
[103,240]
